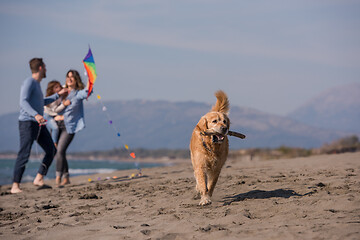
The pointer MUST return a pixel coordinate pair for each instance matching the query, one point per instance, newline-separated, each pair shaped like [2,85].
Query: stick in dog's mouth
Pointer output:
[236,134]
[220,137]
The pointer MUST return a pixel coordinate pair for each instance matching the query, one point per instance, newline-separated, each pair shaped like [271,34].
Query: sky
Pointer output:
[272,56]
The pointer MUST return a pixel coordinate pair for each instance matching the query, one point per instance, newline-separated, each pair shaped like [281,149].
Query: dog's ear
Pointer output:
[227,120]
[202,124]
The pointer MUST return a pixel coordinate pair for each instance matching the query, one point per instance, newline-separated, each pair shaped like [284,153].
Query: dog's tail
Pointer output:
[222,103]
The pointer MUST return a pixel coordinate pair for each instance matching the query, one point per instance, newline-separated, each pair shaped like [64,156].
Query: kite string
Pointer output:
[104,109]
[132,154]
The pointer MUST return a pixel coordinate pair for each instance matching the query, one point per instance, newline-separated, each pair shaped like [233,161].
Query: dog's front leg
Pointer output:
[212,180]
[201,187]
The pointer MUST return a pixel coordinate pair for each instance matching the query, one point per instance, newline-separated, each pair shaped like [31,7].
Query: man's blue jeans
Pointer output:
[29,132]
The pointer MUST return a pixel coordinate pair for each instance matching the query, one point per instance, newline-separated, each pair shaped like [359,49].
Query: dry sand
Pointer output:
[303,198]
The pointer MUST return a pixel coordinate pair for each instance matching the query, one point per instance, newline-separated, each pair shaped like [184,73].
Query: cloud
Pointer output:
[272,50]
[249,30]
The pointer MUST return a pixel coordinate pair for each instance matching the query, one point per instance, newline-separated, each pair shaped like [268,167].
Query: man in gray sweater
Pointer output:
[32,125]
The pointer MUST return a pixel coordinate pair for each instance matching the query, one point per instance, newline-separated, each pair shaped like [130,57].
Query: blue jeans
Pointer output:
[52,127]
[29,132]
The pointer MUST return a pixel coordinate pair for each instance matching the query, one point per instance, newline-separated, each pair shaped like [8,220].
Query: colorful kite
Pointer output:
[90,67]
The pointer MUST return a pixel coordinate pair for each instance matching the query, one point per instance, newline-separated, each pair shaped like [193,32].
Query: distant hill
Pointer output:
[336,109]
[164,124]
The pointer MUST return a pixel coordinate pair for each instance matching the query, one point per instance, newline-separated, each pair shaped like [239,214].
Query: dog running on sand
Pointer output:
[209,147]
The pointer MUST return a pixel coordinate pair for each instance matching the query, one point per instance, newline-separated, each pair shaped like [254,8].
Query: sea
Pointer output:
[76,168]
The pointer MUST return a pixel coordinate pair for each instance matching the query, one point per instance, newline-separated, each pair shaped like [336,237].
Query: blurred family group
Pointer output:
[52,121]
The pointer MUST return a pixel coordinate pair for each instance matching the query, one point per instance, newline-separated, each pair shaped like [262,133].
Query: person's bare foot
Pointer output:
[57,181]
[65,181]
[15,188]
[39,180]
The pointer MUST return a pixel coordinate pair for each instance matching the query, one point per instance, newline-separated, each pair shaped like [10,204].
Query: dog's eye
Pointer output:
[214,121]
[225,121]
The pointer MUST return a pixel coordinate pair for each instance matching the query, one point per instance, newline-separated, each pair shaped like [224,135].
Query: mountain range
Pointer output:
[165,124]
[337,108]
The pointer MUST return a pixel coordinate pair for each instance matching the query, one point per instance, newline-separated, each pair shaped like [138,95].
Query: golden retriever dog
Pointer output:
[209,147]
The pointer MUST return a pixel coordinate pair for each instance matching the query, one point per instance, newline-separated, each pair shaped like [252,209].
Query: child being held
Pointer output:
[51,111]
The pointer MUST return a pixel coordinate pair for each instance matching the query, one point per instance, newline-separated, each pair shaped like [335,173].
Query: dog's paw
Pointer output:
[205,200]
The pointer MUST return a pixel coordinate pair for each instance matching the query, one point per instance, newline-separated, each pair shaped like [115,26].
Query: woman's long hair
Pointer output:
[79,84]
[50,87]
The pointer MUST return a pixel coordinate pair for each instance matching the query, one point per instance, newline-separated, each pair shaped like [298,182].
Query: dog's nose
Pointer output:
[224,129]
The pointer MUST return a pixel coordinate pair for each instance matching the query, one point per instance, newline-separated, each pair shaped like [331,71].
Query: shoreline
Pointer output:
[315,197]
[70,157]
[79,167]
